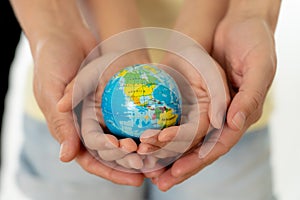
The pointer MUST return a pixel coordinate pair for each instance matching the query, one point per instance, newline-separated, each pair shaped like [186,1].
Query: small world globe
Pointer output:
[138,98]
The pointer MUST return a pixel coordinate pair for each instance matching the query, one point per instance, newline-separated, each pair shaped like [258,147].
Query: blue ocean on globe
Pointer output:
[138,98]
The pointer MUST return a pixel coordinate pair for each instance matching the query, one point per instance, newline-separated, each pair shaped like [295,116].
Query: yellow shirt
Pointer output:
[150,16]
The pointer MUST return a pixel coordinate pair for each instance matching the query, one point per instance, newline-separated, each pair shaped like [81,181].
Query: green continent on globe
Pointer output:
[138,98]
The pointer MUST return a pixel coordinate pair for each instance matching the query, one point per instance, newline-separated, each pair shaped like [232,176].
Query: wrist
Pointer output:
[199,19]
[266,10]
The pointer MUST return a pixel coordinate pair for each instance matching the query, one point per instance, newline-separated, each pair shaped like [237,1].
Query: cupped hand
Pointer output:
[57,58]
[245,48]
[205,97]
[88,87]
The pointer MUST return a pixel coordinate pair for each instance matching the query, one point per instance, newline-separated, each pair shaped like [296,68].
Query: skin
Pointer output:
[208,15]
[244,45]
[59,41]
[249,66]
[149,144]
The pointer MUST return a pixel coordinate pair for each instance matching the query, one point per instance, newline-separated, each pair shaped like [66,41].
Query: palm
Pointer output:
[57,60]
[245,49]
[238,46]
[198,112]
[57,63]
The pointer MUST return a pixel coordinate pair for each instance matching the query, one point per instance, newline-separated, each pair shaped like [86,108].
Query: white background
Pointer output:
[285,120]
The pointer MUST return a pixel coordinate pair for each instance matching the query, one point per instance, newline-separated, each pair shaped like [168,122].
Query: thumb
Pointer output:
[247,105]
[245,109]
[63,128]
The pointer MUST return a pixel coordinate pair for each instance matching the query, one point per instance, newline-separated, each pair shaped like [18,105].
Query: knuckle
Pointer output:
[257,99]
[256,116]
[224,150]
[59,127]
[254,100]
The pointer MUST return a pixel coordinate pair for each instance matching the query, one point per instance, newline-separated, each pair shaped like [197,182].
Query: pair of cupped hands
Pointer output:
[245,59]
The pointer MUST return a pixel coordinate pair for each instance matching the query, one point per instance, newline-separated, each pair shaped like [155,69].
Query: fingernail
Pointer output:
[220,118]
[149,134]
[239,120]
[137,164]
[203,152]
[63,150]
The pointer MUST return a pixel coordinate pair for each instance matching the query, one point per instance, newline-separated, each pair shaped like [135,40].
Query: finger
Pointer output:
[97,168]
[246,106]
[165,185]
[91,131]
[154,172]
[173,140]
[221,144]
[184,133]
[168,134]
[62,126]
[65,103]
[111,153]
[150,136]
[182,138]
[108,147]
[145,149]
[149,163]
[218,102]
[173,148]
[192,163]
[161,153]
[131,161]
[64,131]
[128,145]
[100,141]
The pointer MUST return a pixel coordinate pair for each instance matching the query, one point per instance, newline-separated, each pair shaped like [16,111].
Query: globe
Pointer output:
[138,98]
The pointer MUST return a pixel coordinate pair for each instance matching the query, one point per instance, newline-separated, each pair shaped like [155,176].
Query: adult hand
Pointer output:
[56,63]
[245,47]
[210,103]
[60,40]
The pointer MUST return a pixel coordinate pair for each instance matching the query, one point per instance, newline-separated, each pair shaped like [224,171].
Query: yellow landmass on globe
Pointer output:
[167,118]
[153,70]
[122,73]
[136,91]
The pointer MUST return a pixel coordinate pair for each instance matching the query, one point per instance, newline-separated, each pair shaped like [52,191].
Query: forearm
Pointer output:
[39,19]
[199,19]
[267,10]
[114,16]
